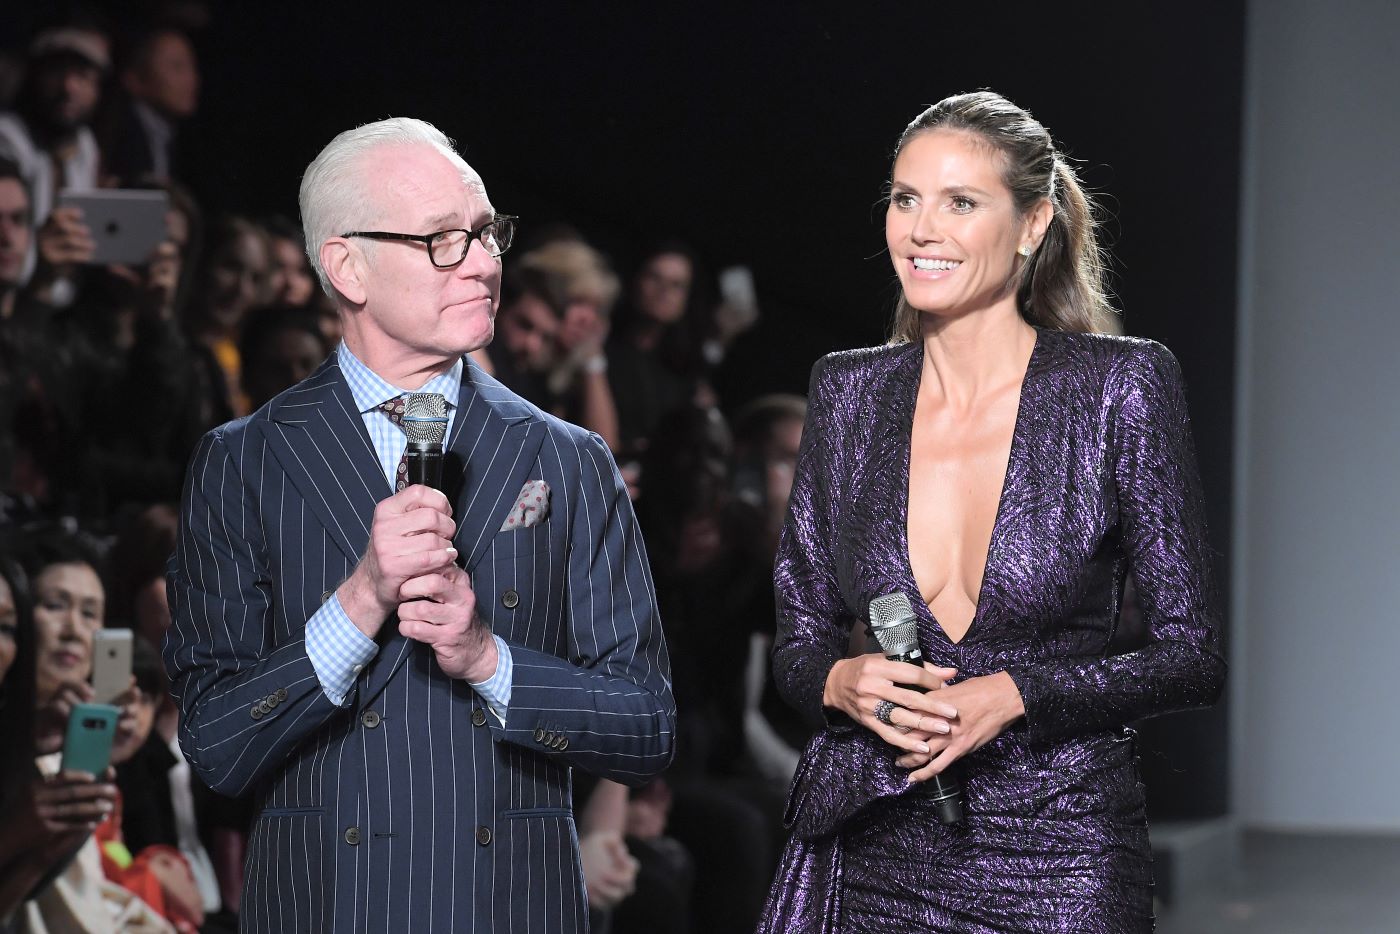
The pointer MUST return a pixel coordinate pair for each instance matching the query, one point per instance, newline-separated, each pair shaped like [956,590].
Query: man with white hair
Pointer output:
[406,679]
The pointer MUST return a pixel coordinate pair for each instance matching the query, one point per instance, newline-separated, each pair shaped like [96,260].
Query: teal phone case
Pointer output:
[87,747]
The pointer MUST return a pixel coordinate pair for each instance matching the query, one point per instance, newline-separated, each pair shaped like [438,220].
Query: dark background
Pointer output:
[762,134]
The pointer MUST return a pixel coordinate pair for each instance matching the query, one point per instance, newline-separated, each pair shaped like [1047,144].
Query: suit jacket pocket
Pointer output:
[527,813]
[292,812]
[520,544]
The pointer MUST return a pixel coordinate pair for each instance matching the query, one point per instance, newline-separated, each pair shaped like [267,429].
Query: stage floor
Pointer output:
[1294,883]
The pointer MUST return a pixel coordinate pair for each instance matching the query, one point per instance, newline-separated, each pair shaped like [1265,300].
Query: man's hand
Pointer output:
[411,535]
[440,611]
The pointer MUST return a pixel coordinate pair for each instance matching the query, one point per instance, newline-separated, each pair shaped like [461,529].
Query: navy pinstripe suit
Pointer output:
[412,808]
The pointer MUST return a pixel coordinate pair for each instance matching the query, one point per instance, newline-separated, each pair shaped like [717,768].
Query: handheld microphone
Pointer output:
[425,424]
[895,628]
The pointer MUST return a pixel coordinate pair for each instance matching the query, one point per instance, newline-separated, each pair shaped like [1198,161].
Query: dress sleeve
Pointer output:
[813,626]
[1162,522]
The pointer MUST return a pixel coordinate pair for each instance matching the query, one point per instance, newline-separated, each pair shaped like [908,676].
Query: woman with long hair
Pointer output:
[999,465]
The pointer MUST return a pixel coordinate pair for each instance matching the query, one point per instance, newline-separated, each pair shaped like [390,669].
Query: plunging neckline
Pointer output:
[995,538]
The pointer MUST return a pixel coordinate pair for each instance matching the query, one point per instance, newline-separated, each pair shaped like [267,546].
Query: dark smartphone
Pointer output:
[87,747]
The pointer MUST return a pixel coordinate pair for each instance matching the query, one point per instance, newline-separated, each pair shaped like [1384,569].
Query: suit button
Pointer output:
[281,694]
[539,734]
[478,717]
[370,718]
[271,701]
[483,835]
[562,744]
[510,599]
[257,713]
[352,836]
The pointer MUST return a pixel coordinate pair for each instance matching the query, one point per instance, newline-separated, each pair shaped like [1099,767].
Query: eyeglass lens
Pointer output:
[450,247]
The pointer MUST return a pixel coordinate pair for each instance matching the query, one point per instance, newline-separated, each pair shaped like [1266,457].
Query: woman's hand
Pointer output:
[63,809]
[51,719]
[855,686]
[986,706]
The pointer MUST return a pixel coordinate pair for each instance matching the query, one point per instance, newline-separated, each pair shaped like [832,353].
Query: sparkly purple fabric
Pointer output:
[1101,478]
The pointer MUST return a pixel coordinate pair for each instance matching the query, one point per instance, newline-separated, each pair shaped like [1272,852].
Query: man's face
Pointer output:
[168,79]
[14,231]
[68,91]
[411,307]
[528,331]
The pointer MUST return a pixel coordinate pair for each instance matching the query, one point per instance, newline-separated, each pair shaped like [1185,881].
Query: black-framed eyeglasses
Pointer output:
[447,248]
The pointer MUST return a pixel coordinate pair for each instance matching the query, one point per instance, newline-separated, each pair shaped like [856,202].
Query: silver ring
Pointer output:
[882,712]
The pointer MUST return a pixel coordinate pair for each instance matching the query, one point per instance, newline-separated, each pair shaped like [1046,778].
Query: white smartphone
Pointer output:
[111,664]
[736,287]
[126,223]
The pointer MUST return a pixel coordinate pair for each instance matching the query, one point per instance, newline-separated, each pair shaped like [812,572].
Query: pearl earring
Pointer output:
[1024,251]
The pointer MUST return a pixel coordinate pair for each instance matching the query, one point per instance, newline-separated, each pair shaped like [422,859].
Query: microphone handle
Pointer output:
[944,788]
[424,462]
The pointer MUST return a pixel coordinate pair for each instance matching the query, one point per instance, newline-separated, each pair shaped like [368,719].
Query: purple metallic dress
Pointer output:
[1101,479]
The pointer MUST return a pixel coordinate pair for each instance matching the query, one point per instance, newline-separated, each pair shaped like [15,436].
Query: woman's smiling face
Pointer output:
[952,226]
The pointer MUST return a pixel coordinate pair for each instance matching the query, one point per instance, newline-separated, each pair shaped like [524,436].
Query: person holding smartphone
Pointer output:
[47,819]
[60,808]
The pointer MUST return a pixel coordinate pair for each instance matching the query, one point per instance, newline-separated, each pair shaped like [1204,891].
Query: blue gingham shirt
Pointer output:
[336,647]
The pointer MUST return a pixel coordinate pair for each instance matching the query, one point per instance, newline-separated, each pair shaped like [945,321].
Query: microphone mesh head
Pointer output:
[893,624]
[425,418]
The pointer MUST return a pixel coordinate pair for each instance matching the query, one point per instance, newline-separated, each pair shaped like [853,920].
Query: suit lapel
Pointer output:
[491,453]
[320,440]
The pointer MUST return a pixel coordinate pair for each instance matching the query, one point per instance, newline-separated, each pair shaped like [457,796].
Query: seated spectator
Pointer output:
[154,870]
[711,579]
[158,789]
[15,234]
[527,324]
[280,347]
[767,433]
[48,132]
[584,287]
[232,281]
[655,355]
[291,282]
[159,88]
[57,813]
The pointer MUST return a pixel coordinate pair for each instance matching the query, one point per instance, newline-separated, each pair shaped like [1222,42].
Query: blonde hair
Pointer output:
[580,272]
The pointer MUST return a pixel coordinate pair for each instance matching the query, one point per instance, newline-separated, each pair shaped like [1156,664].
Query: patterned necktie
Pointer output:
[394,408]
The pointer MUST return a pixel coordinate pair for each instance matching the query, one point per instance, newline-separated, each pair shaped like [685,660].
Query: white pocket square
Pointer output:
[531,506]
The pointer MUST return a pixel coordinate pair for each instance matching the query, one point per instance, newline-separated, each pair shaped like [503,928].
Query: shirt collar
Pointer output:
[369,389]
